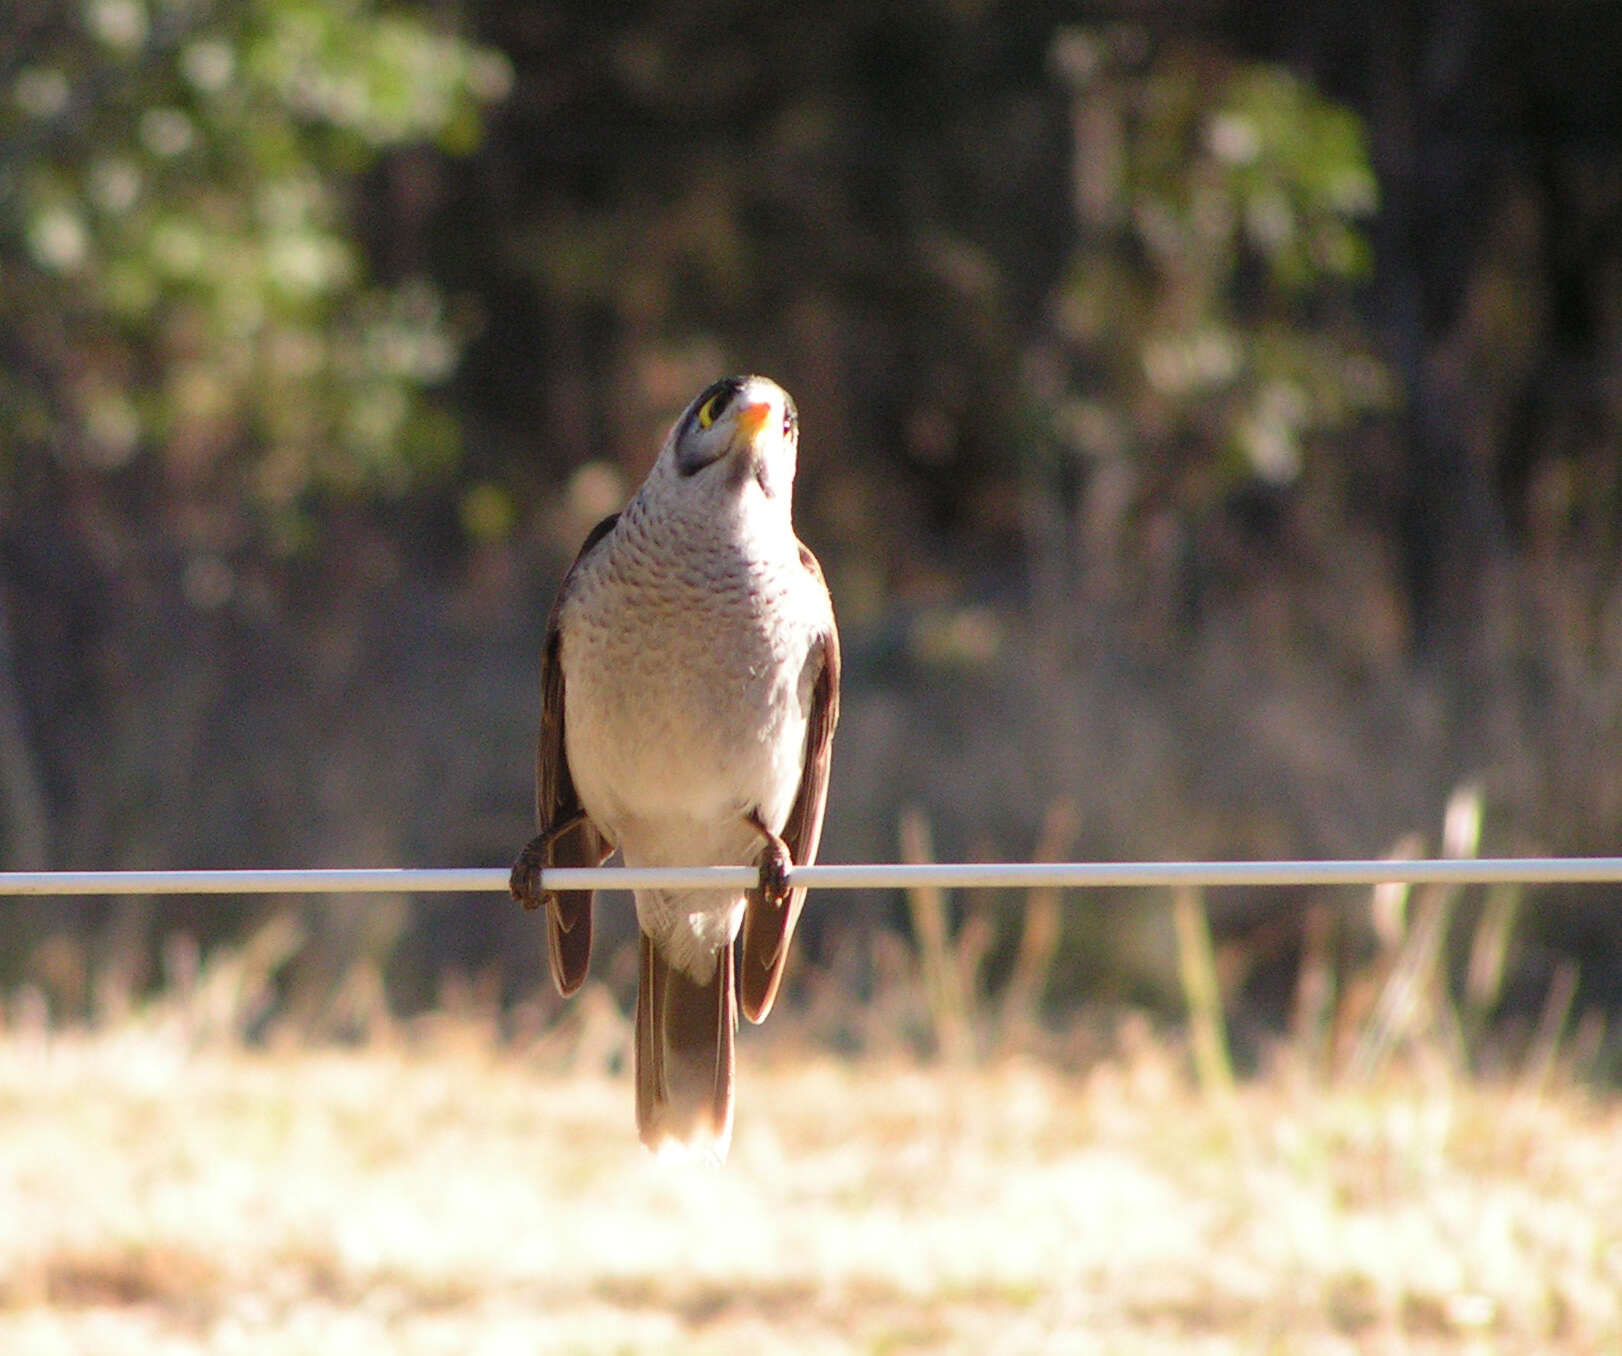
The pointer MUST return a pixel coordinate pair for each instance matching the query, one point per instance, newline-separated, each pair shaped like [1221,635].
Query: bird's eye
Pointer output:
[712,409]
[789,423]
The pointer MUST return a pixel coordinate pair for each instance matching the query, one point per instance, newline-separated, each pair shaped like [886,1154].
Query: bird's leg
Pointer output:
[525,882]
[775,862]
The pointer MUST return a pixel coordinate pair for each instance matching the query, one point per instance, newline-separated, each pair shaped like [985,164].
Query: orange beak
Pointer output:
[752,418]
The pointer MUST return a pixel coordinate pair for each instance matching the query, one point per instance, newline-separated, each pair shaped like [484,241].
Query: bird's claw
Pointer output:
[775,865]
[525,882]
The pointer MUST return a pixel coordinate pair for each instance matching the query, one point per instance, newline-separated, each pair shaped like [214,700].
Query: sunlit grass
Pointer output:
[440,1198]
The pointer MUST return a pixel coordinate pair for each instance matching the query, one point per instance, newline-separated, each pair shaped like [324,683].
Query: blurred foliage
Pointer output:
[1201,333]
[179,273]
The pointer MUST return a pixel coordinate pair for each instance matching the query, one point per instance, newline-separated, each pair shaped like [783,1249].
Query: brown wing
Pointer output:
[768,928]
[567,837]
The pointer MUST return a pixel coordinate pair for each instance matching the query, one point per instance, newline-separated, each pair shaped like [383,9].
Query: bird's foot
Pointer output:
[525,882]
[775,864]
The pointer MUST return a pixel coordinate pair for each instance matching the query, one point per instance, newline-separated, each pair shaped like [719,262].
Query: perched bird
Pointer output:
[690,688]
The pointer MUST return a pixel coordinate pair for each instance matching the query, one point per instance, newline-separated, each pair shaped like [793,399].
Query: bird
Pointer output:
[689,694]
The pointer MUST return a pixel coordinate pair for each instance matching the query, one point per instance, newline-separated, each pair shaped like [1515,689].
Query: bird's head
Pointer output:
[738,429]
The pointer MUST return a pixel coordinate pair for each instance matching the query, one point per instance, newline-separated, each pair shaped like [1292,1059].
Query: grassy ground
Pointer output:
[436,1198]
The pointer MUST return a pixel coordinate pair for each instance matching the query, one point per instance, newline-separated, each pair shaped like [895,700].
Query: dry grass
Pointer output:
[160,1198]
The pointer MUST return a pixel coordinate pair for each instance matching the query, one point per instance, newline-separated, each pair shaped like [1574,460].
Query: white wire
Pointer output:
[882,876]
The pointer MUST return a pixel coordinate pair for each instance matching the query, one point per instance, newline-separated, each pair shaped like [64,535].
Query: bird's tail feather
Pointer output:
[684,1056]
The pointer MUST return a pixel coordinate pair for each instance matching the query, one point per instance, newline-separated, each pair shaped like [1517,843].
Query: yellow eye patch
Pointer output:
[713,408]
